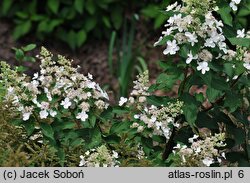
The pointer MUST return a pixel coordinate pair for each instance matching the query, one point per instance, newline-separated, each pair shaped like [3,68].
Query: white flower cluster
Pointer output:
[241,53]
[58,88]
[246,60]
[99,157]
[140,152]
[191,30]
[160,119]
[202,152]
[140,90]
[234,4]
[244,54]
[203,31]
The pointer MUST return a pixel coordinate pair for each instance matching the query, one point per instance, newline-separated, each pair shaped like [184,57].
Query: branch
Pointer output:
[169,146]
[184,80]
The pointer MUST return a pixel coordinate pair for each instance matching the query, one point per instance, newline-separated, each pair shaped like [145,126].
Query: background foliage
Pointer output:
[72,21]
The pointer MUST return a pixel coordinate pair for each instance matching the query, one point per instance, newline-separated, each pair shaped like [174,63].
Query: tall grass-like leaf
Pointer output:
[143,63]
[110,52]
[126,61]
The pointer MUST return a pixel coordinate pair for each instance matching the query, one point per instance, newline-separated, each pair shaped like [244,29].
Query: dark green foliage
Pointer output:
[72,21]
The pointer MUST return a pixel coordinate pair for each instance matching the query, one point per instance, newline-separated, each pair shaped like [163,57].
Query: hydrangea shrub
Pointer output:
[58,101]
[205,124]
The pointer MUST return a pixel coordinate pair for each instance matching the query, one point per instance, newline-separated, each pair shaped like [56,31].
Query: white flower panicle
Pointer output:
[202,152]
[241,55]
[160,119]
[141,85]
[193,24]
[99,157]
[57,87]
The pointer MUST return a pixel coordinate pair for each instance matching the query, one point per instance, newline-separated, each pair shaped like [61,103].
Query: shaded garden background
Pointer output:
[84,31]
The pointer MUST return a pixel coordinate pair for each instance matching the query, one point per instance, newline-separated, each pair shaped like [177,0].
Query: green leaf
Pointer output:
[6,5]
[67,125]
[150,11]
[147,144]
[71,39]
[120,110]
[90,6]
[79,4]
[236,157]
[95,138]
[184,51]
[159,139]
[160,19]
[76,142]
[206,121]
[229,31]
[29,127]
[220,84]
[48,25]
[53,5]
[210,78]
[190,108]
[52,24]
[90,23]
[22,29]
[225,15]
[22,14]
[37,18]
[19,54]
[240,41]
[106,21]
[21,69]
[116,17]
[29,47]
[47,130]
[157,101]
[244,11]
[68,135]
[228,69]
[239,68]
[81,37]
[42,26]
[107,114]
[112,139]
[213,94]
[118,127]
[165,65]
[167,81]
[242,118]
[237,134]
[232,101]
[164,40]
[92,120]
[61,155]
[199,97]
